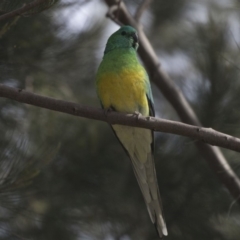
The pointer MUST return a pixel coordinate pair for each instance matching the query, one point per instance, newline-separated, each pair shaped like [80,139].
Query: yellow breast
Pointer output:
[124,91]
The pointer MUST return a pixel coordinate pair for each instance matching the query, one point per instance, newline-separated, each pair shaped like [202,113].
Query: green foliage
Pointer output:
[88,190]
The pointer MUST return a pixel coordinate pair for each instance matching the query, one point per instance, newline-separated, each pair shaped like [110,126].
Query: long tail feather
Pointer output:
[137,142]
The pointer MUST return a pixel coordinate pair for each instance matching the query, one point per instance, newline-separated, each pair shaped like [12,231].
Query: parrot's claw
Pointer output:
[108,110]
[137,114]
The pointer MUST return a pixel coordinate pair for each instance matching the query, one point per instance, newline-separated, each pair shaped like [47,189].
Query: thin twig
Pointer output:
[203,134]
[235,40]
[21,10]
[229,61]
[142,7]
[231,206]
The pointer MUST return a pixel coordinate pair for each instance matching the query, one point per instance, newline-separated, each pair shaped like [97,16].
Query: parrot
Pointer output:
[123,86]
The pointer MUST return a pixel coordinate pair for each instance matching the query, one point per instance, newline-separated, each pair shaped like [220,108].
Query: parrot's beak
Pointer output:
[135,40]
[135,37]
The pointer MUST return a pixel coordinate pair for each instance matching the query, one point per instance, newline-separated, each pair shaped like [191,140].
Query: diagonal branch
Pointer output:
[21,10]
[173,94]
[203,134]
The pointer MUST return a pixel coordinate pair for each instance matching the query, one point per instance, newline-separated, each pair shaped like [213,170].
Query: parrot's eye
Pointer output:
[123,33]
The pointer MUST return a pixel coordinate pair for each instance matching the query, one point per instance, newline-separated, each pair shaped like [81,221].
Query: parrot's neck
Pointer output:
[122,56]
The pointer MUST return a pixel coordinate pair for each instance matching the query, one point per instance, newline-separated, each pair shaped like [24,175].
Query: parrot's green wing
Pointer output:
[150,99]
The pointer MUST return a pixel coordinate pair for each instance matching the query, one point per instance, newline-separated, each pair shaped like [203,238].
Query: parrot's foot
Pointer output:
[137,114]
[107,111]
[149,118]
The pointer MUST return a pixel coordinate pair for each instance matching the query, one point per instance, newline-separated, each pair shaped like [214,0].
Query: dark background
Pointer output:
[68,178]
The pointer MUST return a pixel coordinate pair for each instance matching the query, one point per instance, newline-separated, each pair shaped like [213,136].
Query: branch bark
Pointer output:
[173,94]
[208,135]
[21,10]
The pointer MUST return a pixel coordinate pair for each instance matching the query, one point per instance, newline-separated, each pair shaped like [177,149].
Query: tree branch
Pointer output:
[21,10]
[173,94]
[203,134]
[111,11]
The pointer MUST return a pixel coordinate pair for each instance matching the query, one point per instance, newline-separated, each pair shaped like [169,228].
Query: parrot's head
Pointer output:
[125,37]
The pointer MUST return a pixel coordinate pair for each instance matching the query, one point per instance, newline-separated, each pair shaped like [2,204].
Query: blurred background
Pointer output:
[68,178]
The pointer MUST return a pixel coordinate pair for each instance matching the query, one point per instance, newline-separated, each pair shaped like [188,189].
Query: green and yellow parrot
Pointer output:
[123,86]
